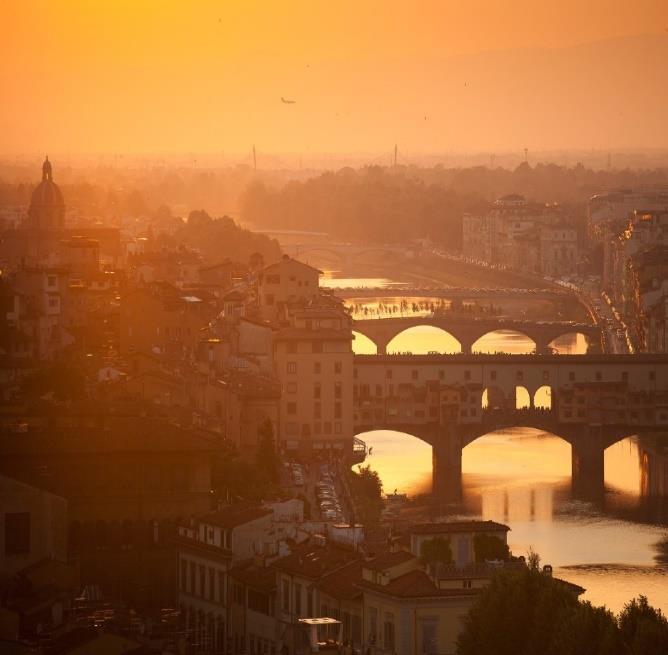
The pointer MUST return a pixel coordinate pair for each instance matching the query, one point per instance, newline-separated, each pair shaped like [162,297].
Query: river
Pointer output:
[521,477]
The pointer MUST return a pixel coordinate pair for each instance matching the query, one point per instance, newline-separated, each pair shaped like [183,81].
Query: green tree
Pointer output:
[488,547]
[367,488]
[588,630]
[516,614]
[435,552]
[644,629]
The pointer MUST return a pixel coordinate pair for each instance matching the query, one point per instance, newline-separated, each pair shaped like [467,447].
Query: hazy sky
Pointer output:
[204,76]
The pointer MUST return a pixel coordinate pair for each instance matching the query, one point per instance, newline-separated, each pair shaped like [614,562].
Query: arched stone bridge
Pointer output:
[594,401]
[468,330]
[346,253]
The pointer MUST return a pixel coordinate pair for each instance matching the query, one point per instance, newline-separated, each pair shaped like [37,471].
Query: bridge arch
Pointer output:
[363,345]
[523,399]
[421,340]
[572,342]
[492,397]
[542,398]
[488,343]
[315,251]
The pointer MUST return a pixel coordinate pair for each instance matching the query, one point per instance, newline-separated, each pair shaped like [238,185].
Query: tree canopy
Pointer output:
[526,612]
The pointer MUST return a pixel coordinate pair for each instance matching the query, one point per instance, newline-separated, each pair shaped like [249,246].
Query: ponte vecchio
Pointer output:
[449,401]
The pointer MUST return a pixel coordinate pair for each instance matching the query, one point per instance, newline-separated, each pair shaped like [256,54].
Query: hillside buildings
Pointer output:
[633,230]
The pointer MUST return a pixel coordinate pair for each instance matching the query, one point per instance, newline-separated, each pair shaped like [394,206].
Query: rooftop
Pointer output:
[314,562]
[233,516]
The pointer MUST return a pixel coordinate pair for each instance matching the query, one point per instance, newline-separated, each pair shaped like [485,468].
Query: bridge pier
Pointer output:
[587,462]
[466,345]
[447,465]
[542,347]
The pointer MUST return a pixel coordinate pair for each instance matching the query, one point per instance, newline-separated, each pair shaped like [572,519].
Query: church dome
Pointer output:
[47,207]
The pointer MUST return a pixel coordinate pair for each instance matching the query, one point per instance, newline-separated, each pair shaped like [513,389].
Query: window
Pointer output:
[298,599]
[291,387]
[492,375]
[51,281]
[373,624]
[337,390]
[466,584]
[291,347]
[338,367]
[316,390]
[317,411]
[212,584]
[338,412]
[599,376]
[414,374]
[337,428]
[571,376]
[291,408]
[286,596]
[258,602]
[184,575]
[317,367]
[221,587]
[467,375]
[388,631]
[388,373]
[292,367]
[202,580]
[316,347]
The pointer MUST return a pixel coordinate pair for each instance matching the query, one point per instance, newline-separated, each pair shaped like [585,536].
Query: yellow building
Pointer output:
[414,607]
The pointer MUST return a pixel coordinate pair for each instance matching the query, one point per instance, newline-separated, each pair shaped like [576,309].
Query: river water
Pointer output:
[521,477]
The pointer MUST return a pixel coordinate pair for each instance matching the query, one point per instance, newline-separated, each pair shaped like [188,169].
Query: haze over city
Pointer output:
[333,327]
[155,77]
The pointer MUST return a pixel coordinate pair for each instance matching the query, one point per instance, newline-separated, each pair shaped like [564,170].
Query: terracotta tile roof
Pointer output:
[458,526]
[388,560]
[344,583]
[415,584]
[314,562]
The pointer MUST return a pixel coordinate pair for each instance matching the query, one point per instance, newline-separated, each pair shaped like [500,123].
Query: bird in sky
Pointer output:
[287,102]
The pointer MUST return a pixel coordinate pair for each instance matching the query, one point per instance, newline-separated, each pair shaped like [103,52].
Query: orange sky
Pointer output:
[204,76]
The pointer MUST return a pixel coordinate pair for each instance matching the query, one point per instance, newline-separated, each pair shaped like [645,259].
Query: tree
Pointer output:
[266,457]
[587,631]
[436,552]
[644,629]
[516,614]
[367,488]
[488,547]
